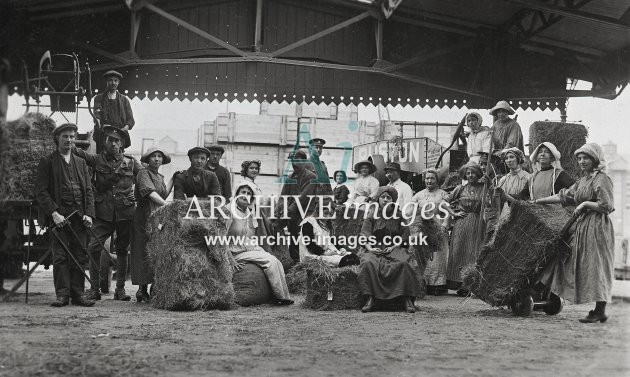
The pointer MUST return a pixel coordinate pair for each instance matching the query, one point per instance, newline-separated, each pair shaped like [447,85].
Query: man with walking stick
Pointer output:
[63,187]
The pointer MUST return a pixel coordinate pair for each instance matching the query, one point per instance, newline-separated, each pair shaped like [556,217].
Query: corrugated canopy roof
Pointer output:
[429,52]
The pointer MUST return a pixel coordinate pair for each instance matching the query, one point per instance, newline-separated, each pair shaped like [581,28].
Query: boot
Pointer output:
[92,295]
[81,301]
[121,295]
[597,315]
[594,317]
[369,305]
[409,306]
[142,294]
[61,301]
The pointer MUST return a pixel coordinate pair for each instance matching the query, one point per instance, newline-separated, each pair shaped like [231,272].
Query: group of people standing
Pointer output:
[475,205]
[112,193]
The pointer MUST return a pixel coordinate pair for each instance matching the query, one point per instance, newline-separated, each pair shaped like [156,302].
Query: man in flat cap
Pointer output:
[111,107]
[224,175]
[196,181]
[405,193]
[63,187]
[115,205]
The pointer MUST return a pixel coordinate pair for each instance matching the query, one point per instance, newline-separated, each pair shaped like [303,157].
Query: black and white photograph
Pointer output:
[315,188]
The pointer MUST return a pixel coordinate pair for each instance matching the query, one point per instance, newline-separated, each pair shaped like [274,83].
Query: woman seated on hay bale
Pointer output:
[587,275]
[320,244]
[388,269]
[548,177]
[435,273]
[469,223]
[151,193]
[241,223]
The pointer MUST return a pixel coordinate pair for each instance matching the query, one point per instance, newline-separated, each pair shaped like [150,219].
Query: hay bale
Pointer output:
[341,283]
[251,286]
[22,144]
[567,137]
[524,244]
[296,279]
[189,275]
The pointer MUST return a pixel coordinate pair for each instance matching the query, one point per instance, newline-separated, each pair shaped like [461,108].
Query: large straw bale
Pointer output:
[23,143]
[526,241]
[189,275]
[347,225]
[338,284]
[567,137]
[251,286]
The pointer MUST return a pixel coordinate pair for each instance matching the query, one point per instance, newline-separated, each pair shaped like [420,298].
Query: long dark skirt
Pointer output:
[141,270]
[389,276]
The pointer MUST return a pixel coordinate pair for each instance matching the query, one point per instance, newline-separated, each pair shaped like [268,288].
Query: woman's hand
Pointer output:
[460,214]
[581,208]
[238,266]
[389,249]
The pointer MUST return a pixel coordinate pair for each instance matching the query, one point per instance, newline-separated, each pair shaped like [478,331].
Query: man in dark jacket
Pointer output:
[63,186]
[115,205]
[224,175]
[301,183]
[111,107]
[196,181]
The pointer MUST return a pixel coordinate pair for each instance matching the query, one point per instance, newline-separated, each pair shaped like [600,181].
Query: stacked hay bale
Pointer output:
[525,242]
[330,288]
[567,137]
[22,144]
[189,275]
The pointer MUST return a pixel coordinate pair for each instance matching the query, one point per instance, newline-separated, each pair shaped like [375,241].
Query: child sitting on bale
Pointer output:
[241,223]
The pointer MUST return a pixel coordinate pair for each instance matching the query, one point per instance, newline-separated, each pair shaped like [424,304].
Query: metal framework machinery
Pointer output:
[419,53]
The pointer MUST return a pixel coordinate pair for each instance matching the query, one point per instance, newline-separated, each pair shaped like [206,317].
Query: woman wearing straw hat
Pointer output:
[506,132]
[387,269]
[435,273]
[151,193]
[469,221]
[588,274]
[365,186]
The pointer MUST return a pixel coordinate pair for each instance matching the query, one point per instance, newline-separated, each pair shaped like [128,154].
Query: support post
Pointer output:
[379,39]
[258,29]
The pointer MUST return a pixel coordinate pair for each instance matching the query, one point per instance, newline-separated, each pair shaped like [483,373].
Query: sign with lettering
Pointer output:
[412,154]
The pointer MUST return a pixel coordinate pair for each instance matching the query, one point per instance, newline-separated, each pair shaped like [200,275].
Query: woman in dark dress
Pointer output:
[388,269]
[151,193]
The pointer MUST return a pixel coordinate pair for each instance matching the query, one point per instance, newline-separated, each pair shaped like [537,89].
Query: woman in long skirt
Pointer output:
[588,274]
[469,227]
[388,269]
[435,273]
[151,193]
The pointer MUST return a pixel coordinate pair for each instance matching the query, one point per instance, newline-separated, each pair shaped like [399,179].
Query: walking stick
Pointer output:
[55,233]
[91,231]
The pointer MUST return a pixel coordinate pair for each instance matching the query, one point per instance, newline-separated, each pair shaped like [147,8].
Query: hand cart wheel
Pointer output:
[554,304]
[522,304]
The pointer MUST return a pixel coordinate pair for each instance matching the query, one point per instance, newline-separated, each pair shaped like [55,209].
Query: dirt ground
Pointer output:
[444,338]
